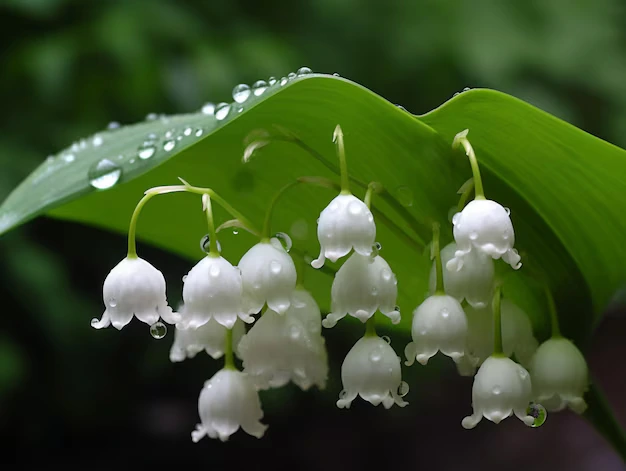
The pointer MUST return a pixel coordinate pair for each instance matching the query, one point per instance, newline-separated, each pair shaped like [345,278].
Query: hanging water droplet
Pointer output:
[405,196]
[221,111]
[283,81]
[375,251]
[259,87]
[146,151]
[538,412]
[271,80]
[386,339]
[208,109]
[291,75]
[199,132]
[241,92]
[169,145]
[403,389]
[378,246]
[397,308]
[187,131]
[104,174]
[275,267]
[284,240]
[205,244]
[112,302]
[184,278]
[376,354]
[151,116]
[69,157]
[113,125]
[508,211]
[158,330]
[235,231]
[97,141]
[303,71]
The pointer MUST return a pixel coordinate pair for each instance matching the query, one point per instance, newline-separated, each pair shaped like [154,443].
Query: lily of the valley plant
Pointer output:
[259,310]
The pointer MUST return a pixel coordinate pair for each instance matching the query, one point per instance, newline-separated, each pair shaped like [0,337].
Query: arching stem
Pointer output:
[267,224]
[439,288]
[206,203]
[461,139]
[497,322]
[466,192]
[554,317]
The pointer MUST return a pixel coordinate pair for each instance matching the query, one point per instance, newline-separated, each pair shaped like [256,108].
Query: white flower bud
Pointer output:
[371,370]
[517,335]
[229,401]
[362,286]
[560,376]
[501,388]
[212,289]
[210,337]
[134,287]
[282,348]
[473,282]
[269,276]
[439,324]
[346,223]
[484,225]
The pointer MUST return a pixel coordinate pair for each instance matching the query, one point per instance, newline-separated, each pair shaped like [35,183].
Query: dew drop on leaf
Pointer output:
[241,92]
[208,109]
[303,71]
[169,145]
[259,87]
[221,111]
[271,81]
[104,174]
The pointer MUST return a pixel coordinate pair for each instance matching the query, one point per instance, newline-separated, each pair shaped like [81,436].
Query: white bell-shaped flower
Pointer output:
[289,347]
[560,376]
[517,336]
[372,370]
[269,276]
[229,401]
[209,337]
[134,287]
[212,290]
[344,224]
[473,282]
[501,388]
[363,285]
[439,324]
[485,226]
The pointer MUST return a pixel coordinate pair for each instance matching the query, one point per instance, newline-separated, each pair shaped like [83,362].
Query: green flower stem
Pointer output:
[206,201]
[439,289]
[554,316]
[229,359]
[300,266]
[267,224]
[343,166]
[368,194]
[467,192]
[370,327]
[132,246]
[469,151]
[497,322]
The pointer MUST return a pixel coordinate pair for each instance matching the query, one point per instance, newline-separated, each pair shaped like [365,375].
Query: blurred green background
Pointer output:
[96,399]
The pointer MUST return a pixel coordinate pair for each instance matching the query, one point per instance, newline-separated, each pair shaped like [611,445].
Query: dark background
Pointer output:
[77,397]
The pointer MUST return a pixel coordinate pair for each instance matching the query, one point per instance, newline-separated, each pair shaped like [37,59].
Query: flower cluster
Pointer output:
[261,311]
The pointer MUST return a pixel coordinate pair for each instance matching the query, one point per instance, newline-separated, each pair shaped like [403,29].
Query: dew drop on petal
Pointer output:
[473,236]
[496,390]
[376,354]
[455,218]
[241,92]
[95,321]
[184,278]
[405,196]
[386,274]
[508,213]
[221,111]
[284,240]
[386,339]
[112,302]
[343,394]
[205,243]
[355,208]
[214,271]
[104,174]
[374,291]
[538,412]
[158,330]
[259,87]
[294,332]
[444,313]
[275,267]
[403,389]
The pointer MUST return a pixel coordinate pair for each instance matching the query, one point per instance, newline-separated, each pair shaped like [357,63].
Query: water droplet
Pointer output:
[466,89]
[240,109]
[199,132]
[184,278]
[208,109]
[355,207]
[473,236]
[294,332]
[374,291]
[271,80]
[169,134]
[378,245]
[386,339]
[169,145]
[496,390]
[97,141]
[283,81]
[538,412]
[69,157]
[376,354]
[221,111]
[375,251]
[275,267]
[508,211]
[50,159]
[104,174]
[205,243]
[336,75]
[523,373]
[303,71]
[259,87]
[151,116]
[396,308]
[405,196]
[284,240]
[146,151]
[158,330]
[445,313]
[386,274]
[235,231]
[291,75]
[403,389]
[214,271]
[187,131]
[112,302]
[401,107]
[241,92]
[113,125]
[343,394]
[455,218]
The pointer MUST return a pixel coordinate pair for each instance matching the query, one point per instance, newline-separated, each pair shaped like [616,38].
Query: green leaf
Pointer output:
[564,187]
